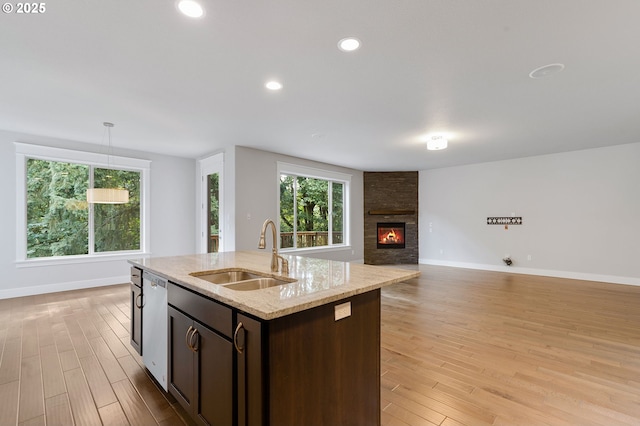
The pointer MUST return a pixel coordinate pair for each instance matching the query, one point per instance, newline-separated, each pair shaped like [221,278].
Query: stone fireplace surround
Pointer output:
[390,197]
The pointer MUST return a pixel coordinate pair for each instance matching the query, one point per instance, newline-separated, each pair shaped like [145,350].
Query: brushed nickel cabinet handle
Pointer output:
[187,338]
[239,348]
[194,340]
[139,304]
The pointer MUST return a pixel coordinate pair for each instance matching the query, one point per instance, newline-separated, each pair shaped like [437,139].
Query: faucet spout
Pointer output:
[274,257]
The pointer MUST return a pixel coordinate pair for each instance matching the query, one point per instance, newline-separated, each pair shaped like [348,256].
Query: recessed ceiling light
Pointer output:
[437,142]
[349,44]
[273,85]
[546,70]
[191,8]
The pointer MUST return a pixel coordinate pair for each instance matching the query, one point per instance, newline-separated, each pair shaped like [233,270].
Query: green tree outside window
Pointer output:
[311,212]
[58,214]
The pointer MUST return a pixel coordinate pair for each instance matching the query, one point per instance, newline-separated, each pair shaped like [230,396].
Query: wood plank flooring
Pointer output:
[466,347]
[66,359]
[459,347]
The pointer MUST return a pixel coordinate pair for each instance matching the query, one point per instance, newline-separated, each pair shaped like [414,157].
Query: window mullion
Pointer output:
[295,212]
[91,223]
[330,214]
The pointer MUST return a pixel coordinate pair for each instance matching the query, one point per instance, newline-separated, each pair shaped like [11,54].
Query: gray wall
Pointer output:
[581,214]
[256,195]
[171,229]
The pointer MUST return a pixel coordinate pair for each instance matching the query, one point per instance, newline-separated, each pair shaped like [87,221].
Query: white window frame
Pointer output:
[28,151]
[311,172]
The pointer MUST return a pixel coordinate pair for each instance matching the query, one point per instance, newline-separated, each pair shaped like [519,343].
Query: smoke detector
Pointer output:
[546,71]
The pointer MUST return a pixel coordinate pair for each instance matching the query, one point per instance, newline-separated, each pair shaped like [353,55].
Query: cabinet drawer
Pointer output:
[211,313]
[136,276]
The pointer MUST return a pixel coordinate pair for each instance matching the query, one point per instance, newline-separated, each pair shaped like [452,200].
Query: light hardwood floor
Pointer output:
[66,359]
[464,347]
[459,347]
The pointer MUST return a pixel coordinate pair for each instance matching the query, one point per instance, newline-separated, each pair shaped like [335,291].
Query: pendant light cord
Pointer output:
[108,126]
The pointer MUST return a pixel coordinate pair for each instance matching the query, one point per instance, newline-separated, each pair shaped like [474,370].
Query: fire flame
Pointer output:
[391,237]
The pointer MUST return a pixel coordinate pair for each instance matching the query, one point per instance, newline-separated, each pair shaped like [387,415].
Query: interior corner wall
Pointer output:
[256,184]
[171,228]
[580,210]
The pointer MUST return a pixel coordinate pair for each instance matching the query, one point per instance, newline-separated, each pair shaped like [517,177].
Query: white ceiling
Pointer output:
[186,87]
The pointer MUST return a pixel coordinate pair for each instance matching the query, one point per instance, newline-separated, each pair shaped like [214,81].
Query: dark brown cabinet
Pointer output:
[315,367]
[136,309]
[324,370]
[249,360]
[200,358]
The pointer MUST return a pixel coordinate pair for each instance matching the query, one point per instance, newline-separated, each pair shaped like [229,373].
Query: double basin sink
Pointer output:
[240,280]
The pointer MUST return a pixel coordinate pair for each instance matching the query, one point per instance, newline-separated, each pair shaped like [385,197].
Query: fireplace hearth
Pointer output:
[391,235]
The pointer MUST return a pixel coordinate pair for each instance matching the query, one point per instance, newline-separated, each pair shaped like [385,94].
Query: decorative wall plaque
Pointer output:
[504,220]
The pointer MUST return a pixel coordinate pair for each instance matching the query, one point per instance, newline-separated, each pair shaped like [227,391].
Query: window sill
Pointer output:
[305,250]
[73,260]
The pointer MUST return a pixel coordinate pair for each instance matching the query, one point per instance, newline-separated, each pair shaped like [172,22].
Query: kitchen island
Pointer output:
[306,351]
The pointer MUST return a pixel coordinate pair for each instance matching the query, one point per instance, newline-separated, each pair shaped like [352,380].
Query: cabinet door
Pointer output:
[214,377]
[248,342]
[136,318]
[181,359]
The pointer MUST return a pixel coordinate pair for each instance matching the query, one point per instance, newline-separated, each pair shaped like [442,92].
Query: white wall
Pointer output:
[204,166]
[581,214]
[256,184]
[171,229]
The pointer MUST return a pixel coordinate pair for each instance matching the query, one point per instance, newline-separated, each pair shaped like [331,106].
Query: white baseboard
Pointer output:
[66,286]
[613,279]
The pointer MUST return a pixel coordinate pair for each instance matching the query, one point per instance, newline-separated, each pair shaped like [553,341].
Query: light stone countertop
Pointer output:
[318,281]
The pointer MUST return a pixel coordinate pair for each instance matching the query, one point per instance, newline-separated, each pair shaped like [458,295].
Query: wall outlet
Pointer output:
[441,251]
[528,257]
[342,311]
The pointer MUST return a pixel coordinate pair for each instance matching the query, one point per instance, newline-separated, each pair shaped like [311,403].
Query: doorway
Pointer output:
[213,212]
[211,204]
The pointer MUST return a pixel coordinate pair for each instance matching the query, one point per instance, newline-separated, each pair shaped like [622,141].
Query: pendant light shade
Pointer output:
[107,195]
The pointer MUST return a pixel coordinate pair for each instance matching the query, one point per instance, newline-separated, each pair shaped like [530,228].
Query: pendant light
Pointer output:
[107,195]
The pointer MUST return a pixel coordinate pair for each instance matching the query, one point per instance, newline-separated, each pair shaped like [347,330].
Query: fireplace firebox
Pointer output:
[391,235]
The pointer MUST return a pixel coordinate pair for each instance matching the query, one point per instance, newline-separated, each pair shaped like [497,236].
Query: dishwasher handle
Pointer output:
[154,280]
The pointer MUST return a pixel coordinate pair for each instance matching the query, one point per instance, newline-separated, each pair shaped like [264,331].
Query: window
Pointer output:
[55,220]
[313,206]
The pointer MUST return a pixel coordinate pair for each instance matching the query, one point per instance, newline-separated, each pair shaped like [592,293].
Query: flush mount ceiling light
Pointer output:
[436,143]
[107,195]
[349,44]
[273,85]
[546,70]
[191,8]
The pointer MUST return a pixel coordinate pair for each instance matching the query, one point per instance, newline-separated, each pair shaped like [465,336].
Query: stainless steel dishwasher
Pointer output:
[154,326]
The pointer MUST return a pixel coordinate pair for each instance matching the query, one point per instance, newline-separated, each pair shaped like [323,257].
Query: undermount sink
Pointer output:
[255,284]
[225,277]
[240,280]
